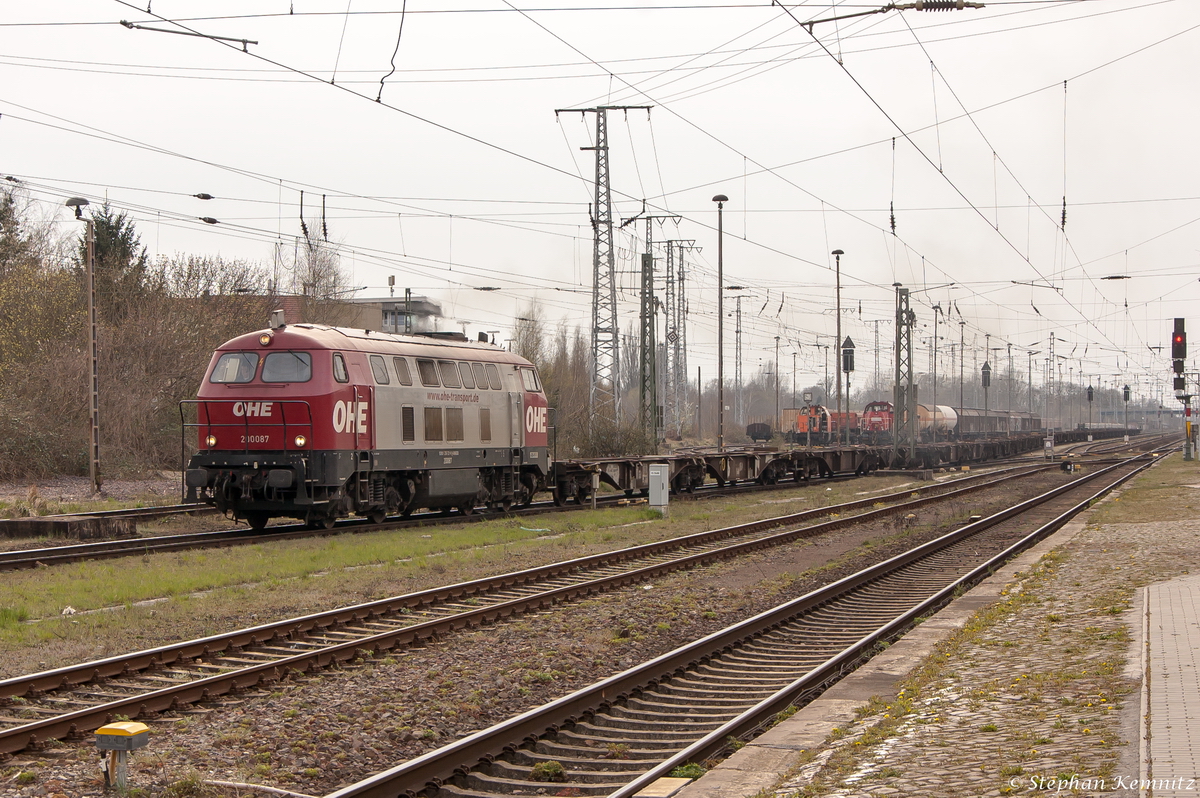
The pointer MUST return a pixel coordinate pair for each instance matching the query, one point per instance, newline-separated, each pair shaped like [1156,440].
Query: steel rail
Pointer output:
[754,719]
[18,559]
[139,512]
[437,767]
[279,635]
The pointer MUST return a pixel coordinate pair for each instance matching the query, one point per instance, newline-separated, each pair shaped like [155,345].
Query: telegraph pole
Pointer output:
[605,395]
[776,425]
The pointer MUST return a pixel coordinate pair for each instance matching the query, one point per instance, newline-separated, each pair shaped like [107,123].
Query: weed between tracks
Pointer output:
[205,592]
[314,732]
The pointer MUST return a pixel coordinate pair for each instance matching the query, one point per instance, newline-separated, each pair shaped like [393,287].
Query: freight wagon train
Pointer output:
[874,425]
[313,422]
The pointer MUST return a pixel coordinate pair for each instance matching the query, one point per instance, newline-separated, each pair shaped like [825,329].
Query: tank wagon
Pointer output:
[314,422]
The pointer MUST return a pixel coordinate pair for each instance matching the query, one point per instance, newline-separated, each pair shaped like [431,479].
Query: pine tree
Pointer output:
[122,266]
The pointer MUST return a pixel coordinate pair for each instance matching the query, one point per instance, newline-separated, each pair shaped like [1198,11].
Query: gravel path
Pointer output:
[1037,694]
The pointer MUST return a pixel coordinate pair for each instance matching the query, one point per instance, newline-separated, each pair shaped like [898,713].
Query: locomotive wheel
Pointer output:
[506,504]
[377,516]
[257,521]
[467,509]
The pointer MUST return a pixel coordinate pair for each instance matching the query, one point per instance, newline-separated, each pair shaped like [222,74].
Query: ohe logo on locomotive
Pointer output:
[241,409]
[350,417]
[535,419]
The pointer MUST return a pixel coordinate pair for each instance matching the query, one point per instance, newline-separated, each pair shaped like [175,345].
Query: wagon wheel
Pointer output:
[321,522]
[257,520]
[377,516]
[467,509]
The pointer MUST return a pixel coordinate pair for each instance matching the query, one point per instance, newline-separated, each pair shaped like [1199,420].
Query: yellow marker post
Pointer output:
[119,739]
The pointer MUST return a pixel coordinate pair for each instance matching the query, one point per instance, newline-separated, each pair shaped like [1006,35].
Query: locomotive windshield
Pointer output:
[235,367]
[287,367]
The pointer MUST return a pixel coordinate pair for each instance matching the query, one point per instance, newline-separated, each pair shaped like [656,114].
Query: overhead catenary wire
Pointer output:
[747,211]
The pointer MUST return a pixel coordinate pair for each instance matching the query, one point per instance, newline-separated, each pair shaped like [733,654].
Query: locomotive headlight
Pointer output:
[211,440]
[265,339]
[300,441]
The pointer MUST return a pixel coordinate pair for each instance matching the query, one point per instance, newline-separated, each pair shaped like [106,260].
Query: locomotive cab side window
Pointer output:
[493,375]
[465,370]
[287,367]
[529,377]
[449,374]
[481,379]
[379,369]
[402,373]
[428,371]
[235,367]
[339,368]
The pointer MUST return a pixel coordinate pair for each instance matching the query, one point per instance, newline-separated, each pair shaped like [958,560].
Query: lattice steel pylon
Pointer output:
[676,335]
[904,410]
[739,404]
[605,394]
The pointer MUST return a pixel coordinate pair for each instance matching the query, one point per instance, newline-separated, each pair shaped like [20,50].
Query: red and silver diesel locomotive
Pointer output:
[315,422]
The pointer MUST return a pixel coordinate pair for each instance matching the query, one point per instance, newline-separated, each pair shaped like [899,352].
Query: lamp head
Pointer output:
[77,203]
[837,252]
[720,199]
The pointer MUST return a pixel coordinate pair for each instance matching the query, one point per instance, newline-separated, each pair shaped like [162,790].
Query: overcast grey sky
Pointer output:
[462,177]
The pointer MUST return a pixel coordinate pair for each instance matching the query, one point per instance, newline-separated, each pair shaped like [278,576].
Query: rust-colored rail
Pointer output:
[889,597]
[168,677]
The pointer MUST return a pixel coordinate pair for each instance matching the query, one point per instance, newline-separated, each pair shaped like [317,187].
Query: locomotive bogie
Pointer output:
[316,423]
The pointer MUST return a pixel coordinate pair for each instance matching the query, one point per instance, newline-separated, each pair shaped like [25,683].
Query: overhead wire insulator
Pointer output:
[1064,213]
[324,226]
[303,226]
[892,209]
[944,5]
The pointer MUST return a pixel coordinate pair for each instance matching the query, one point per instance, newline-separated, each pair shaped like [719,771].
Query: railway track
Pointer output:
[72,700]
[1140,442]
[129,547]
[618,736]
[142,512]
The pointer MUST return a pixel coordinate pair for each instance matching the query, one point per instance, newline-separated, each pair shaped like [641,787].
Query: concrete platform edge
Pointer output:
[759,765]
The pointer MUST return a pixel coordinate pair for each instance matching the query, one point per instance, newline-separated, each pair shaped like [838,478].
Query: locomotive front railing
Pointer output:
[245,422]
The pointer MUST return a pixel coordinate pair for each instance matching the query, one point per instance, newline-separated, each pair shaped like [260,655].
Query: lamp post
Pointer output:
[720,199]
[1090,394]
[78,203]
[837,254]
